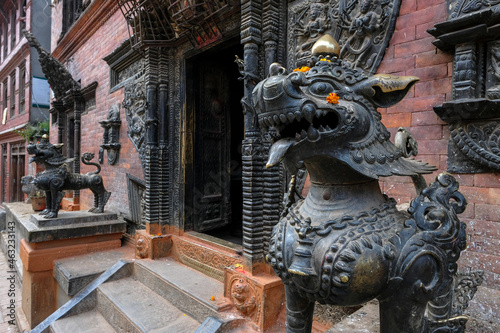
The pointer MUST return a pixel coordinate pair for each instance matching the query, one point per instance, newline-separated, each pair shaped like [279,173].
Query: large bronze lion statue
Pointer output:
[57,177]
[346,242]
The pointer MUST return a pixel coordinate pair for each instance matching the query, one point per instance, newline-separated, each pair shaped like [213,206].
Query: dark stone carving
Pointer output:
[363,29]
[135,106]
[243,295]
[346,242]
[60,80]
[57,177]
[471,32]
[111,136]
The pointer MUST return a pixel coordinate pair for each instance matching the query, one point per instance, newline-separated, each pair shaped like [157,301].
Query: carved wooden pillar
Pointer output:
[464,80]
[79,107]
[61,119]
[273,193]
[253,157]
[151,156]
[164,156]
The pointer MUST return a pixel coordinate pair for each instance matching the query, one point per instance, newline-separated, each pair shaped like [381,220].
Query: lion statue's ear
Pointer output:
[385,90]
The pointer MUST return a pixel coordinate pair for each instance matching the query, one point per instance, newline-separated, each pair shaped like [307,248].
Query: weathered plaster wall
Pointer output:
[86,63]
[412,53]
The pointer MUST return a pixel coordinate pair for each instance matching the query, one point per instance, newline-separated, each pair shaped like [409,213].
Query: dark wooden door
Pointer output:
[17,167]
[211,145]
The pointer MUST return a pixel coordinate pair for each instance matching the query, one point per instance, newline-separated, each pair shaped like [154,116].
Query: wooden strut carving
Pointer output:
[346,243]
[60,80]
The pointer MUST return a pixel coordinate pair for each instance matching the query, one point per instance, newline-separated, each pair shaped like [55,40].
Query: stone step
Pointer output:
[190,290]
[74,273]
[86,322]
[130,306]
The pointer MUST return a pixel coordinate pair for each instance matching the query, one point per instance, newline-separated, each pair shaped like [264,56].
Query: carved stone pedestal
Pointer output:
[39,242]
[151,246]
[260,299]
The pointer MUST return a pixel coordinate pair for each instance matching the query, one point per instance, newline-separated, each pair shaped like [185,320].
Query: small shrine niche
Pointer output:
[473,114]
[111,136]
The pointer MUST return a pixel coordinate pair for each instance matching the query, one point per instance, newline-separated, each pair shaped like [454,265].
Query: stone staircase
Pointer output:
[146,296]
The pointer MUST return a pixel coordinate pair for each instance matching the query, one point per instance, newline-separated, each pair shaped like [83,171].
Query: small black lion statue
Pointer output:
[57,177]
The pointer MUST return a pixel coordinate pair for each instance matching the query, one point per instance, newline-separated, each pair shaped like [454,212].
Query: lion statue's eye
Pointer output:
[321,88]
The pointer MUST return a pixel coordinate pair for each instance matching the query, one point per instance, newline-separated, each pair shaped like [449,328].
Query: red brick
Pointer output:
[418,104]
[483,244]
[430,73]
[430,132]
[430,14]
[434,87]
[478,195]
[464,179]
[391,66]
[433,146]
[484,228]
[397,120]
[487,179]
[423,4]
[429,58]
[424,118]
[401,192]
[421,30]
[407,6]
[389,53]
[413,47]
[488,212]
[483,261]
[406,34]
[469,213]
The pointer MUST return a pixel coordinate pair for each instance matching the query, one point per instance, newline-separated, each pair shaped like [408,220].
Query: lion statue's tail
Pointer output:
[86,158]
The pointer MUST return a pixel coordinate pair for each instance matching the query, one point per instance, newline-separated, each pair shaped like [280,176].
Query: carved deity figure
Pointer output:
[494,92]
[309,28]
[361,31]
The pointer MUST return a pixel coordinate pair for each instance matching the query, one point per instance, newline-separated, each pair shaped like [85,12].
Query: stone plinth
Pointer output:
[260,299]
[39,242]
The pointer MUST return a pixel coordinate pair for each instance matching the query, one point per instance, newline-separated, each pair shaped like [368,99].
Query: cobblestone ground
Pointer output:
[5,300]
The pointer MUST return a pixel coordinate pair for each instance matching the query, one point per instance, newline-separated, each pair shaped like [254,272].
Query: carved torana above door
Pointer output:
[362,27]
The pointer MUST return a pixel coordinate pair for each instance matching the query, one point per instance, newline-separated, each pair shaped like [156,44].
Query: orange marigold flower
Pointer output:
[332,98]
[302,69]
[324,59]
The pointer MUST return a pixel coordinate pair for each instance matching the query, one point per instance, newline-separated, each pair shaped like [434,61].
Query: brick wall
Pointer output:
[87,64]
[412,53]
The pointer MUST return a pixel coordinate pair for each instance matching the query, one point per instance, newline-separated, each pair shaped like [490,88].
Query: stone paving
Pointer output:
[6,295]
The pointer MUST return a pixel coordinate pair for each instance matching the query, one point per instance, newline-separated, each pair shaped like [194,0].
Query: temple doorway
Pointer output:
[214,113]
